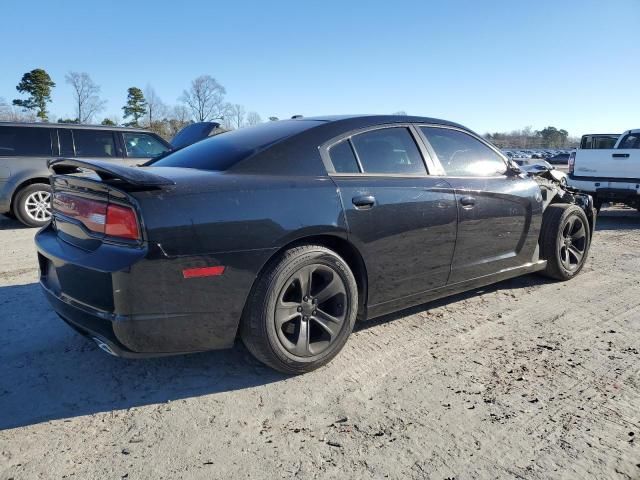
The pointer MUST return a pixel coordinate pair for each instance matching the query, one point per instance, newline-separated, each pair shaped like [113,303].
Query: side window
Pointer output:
[25,142]
[343,158]
[462,155]
[630,141]
[94,143]
[389,150]
[66,142]
[143,145]
[605,142]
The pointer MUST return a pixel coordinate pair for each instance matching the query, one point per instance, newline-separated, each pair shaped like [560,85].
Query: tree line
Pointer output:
[527,138]
[203,101]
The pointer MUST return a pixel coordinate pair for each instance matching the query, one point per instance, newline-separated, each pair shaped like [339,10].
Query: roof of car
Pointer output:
[71,125]
[373,119]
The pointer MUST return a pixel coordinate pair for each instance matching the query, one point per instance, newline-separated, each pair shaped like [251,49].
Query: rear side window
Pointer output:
[461,155]
[630,141]
[389,151]
[223,151]
[143,145]
[605,142]
[25,141]
[343,158]
[66,142]
[94,143]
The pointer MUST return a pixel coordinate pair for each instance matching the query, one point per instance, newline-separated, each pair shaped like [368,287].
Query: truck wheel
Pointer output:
[597,204]
[32,205]
[564,241]
[301,311]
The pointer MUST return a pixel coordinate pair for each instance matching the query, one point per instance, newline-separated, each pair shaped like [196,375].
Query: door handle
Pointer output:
[467,201]
[620,155]
[364,202]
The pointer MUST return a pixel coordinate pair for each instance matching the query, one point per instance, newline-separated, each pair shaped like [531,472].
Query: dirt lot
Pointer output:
[526,379]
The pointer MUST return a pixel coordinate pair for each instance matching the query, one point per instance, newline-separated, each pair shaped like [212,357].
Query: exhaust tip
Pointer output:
[104,346]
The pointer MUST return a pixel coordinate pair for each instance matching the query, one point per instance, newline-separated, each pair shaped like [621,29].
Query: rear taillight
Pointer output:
[122,222]
[572,161]
[100,217]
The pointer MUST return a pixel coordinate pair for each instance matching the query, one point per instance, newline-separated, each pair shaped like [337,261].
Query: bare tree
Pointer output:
[253,118]
[13,113]
[205,99]
[237,113]
[178,118]
[155,106]
[86,92]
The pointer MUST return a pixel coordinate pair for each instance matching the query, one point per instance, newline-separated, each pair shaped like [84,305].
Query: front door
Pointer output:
[499,215]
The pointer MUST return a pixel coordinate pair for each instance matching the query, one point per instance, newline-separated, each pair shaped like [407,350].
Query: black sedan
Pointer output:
[287,232]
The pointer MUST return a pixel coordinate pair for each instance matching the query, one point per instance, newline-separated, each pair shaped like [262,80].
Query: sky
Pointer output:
[490,65]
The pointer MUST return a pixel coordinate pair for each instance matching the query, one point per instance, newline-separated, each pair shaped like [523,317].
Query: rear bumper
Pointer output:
[138,302]
[606,188]
[93,324]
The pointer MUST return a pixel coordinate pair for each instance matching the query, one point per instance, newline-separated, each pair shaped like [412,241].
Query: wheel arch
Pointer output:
[343,247]
[23,184]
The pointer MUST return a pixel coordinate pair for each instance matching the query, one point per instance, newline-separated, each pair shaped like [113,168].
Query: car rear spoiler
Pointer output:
[134,176]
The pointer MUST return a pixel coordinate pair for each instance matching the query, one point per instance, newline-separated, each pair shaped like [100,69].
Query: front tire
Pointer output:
[301,311]
[565,239]
[32,205]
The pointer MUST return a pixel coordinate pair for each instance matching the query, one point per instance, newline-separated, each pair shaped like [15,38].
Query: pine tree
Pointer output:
[38,84]
[136,106]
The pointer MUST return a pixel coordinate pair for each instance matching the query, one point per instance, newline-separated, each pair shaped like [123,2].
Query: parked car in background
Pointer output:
[25,149]
[609,175]
[559,159]
[195,132]
[539,166]
[288,231]
[599,141]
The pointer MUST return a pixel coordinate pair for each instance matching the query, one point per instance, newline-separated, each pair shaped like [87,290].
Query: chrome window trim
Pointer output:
[424,152]
[441,170]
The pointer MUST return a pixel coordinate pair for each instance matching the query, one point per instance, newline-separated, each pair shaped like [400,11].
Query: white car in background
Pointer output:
[611,174]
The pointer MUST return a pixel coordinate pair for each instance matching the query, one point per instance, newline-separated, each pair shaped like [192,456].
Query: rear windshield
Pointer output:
[223,151]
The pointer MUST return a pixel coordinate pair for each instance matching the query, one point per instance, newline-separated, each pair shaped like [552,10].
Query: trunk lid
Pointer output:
[92,202]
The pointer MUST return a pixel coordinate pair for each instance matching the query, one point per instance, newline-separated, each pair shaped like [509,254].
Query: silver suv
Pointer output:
[25,149]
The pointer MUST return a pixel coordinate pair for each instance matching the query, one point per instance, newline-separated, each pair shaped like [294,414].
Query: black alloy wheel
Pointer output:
[301,310]
[573,243]
[311,310]
[565,238]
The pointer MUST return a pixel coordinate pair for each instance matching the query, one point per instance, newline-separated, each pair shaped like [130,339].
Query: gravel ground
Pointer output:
[525,379]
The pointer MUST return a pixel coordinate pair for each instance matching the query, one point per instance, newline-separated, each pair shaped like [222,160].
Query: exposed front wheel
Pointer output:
[32,205]
[302,310]
[564,241]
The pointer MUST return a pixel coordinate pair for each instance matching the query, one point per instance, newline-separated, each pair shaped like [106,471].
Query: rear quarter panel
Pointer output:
[239,223]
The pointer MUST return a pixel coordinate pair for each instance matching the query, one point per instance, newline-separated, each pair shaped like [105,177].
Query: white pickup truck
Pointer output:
[609,175]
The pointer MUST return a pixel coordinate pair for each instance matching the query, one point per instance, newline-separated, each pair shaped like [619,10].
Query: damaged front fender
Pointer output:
[553,191]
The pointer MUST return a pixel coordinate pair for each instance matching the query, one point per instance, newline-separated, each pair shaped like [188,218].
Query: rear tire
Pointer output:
[301,310]
[32,205]
[565,239]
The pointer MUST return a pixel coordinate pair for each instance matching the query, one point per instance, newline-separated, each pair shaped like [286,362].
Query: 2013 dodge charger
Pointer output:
[285,233]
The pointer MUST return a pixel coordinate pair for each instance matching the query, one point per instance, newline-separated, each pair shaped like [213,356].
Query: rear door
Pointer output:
[625,158]
[402,220]
[499,215]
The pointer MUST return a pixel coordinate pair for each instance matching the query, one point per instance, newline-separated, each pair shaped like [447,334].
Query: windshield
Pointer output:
[223,151]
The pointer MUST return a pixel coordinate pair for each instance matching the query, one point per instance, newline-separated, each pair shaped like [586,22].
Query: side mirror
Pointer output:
[512,169]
